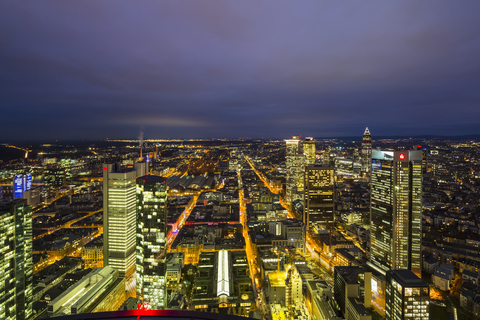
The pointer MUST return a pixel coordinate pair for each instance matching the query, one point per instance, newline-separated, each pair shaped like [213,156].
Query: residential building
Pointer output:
[92,253]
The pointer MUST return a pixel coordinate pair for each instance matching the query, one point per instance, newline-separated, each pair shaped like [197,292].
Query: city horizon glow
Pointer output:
[228,69]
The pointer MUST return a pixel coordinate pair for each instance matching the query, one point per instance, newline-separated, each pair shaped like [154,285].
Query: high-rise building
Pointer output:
[295,161]
[366,151]
[353,291]
[16,262]
[406,296]
[151,240]
[396,210]
[319,197]
[309,150]
[424,160]
[54,177]
[326,157]
[119,217]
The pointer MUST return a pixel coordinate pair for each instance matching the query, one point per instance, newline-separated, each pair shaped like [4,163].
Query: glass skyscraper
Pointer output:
[16,261]
[366,151]
[406,296]
[396,210]
[151,240]
[119,218]
[309,150]
[319,197]
[295,161]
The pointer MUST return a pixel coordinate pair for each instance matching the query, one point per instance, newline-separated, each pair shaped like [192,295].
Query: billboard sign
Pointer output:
[17,186]
[382,155]
[28,184]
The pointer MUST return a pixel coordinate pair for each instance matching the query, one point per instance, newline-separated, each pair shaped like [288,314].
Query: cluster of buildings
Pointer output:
[297,229]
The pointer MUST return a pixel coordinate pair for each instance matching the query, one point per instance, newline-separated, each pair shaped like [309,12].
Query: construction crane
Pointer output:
[26,150]
[291,274]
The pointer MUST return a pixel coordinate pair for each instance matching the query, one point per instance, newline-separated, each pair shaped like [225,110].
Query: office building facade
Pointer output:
[353,291]
[309,150]
[396,210]
[119,217]
[406,296]
[54,177]
[16,260]
[319,197]
[151,240]
[295,162]
[366,151]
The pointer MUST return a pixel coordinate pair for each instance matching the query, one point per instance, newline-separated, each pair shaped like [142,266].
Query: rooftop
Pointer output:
[407,278]
[350,274]
[150,178]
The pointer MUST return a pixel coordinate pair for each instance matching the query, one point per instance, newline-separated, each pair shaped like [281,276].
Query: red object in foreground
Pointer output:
[143,306]
[105,168]
[401,156]
[150,314]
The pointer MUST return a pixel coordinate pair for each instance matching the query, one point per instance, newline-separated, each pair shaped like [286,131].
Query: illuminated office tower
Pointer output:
[396,210]
[366,151]
[151,240]
[319,197]
[295,161]
[54,177]
[309,150]
[424,160]
[119,217]
[406,296]
[326,157]
[16,260]
[293,145]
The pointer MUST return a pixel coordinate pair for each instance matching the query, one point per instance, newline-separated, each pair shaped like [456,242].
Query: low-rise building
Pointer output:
[100,290]
[470,276]
[223,283]
[92,253]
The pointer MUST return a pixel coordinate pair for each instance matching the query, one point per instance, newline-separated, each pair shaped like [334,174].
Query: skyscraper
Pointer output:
[151,240]
[366,151]
[119,217]
[424,160]
[319,197]
[406,296]
[295,161]
[309,150]
[54,177]
[396,210]
[16,260]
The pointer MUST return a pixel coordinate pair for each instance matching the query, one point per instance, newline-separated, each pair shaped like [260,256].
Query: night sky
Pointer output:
[244,68]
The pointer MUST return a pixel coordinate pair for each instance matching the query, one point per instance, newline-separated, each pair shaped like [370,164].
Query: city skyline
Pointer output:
[271,160]
[227,69]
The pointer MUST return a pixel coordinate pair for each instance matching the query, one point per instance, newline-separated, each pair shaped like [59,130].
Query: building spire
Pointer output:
[366,131]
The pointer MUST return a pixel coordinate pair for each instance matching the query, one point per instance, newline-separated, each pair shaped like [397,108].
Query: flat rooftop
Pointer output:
[407,278]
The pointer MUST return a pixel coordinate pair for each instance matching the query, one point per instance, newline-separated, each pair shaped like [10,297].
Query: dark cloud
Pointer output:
[220,68]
